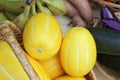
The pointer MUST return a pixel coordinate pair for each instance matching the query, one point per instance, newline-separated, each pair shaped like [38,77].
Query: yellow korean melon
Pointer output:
[10,68]
[53,66]
[43,75]
[68,77]
[78,52]
[42,36]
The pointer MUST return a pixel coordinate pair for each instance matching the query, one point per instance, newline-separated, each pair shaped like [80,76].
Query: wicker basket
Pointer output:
[13,36]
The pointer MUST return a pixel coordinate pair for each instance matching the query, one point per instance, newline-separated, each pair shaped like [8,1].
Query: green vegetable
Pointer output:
[110,61]
[107,40]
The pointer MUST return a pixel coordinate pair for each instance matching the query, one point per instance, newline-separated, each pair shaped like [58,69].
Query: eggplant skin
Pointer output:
[107,13]
[111,23]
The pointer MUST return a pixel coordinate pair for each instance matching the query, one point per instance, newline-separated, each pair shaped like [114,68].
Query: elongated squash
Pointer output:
[42,36]
[107,40]
[78,52]
[110,61]
[10,68]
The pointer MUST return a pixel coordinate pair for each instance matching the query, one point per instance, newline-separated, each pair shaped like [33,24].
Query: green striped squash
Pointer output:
[42,36]
[78,52]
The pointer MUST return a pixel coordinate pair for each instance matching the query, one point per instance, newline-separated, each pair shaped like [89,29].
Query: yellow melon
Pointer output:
[78,51]
[10,68]
[43,75]
[53,66]
[68,77]
[42,36]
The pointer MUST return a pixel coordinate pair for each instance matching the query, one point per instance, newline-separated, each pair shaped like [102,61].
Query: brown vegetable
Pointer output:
[84,9]
[78,21]
[73,13]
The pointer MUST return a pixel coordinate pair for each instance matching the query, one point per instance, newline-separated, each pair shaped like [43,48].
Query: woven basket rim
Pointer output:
[9,26]
[9,32]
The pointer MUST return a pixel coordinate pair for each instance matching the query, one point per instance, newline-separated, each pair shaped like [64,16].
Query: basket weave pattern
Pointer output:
[13,36]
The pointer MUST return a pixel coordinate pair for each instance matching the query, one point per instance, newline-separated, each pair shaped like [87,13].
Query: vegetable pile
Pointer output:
[32,45]
[49,53]
[20,11]
[106,35]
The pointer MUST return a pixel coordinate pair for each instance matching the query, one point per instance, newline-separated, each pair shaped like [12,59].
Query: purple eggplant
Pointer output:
[107,13]
[28,2]
[112,24]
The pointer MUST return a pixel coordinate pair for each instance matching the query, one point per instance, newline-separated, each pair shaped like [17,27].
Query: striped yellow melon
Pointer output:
[43,75]
[78,52]
[53,66]
[68,77]
[42,36]
[10,68]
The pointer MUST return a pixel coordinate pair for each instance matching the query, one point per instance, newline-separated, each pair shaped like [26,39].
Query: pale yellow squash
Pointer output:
[53,66]
[78,52]
[42,36]
[43,75]
[68,77]
[10,68]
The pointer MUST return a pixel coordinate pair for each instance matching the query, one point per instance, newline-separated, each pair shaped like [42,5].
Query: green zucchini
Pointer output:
[110,61]
[107,40]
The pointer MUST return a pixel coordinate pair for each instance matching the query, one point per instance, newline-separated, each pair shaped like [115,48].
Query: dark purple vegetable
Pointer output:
[107,13]
[28,2]
[111,23]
